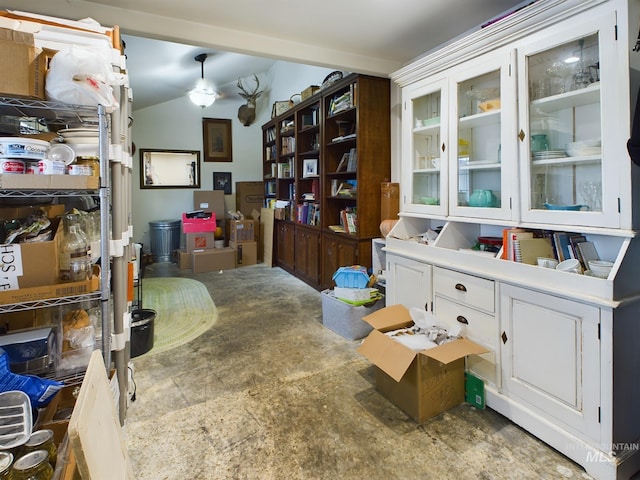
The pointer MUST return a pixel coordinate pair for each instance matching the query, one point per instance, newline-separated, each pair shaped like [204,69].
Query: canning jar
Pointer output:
[74,259]
[6,462]
[32,466]
[42,440]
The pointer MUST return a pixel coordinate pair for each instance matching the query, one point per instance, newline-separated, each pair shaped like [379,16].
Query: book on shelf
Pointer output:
[562,246]
[342,165]
[349,220]
[346,188]
[574,240]
[532,248]
[353,159]
[587,251]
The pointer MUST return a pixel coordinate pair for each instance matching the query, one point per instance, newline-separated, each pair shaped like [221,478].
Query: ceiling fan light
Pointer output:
[202,94]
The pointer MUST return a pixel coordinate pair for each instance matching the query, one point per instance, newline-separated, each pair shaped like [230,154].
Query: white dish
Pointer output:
[15,419]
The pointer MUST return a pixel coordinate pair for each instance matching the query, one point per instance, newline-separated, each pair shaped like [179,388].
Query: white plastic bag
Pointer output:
[81,76]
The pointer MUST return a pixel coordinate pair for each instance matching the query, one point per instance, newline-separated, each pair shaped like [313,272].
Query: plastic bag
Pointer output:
[39,390]
[81,76]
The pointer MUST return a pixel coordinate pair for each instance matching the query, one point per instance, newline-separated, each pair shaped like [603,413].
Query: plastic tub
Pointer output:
[20,147]
[142,329]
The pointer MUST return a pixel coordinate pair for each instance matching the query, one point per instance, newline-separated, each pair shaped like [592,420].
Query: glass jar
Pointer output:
[6,462]
[74,260]
[32,466]
[92,162]
[42,440]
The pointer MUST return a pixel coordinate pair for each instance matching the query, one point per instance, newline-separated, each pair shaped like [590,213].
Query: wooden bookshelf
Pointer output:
[350,122]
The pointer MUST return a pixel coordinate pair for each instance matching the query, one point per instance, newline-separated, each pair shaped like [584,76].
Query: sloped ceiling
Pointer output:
[366,36]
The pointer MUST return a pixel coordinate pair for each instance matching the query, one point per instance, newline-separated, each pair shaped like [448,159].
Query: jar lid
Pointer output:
[31,460]
[39,437]
[6,459]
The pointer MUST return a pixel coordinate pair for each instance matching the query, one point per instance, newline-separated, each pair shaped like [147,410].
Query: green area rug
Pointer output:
[184,310]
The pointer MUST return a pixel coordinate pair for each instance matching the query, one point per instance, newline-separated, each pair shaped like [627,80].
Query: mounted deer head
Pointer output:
[247,112]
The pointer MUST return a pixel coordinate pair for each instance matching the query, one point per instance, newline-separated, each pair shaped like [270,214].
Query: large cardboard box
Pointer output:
[26,265]
[183,259]
[210,201]
[213,259]
[246,253]
[24,65]
[241,231]
[199,241]
[422,384]
[344,319]
[249,197]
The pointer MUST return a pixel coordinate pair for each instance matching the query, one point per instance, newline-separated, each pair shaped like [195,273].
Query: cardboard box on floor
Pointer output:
[249,197]
[213,259]
[182,259]
[422,384]
[246,253]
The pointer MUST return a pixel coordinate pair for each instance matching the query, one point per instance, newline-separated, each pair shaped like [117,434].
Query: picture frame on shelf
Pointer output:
[216,140]
[222,181]
[310,168]
[169,168]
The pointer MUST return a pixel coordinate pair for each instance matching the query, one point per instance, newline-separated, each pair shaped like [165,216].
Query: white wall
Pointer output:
[178,125]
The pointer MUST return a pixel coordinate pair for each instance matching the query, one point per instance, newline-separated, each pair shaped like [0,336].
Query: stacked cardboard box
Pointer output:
[201,234]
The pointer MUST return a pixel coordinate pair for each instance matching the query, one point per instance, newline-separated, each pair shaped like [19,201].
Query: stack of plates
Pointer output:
[84,141]
[549,154]
[584,148]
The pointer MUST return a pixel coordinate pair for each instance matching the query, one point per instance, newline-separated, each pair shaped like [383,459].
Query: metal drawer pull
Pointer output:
[461,319]
[461,287]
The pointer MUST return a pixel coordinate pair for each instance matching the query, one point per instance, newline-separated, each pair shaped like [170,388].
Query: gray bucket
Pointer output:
[165,238]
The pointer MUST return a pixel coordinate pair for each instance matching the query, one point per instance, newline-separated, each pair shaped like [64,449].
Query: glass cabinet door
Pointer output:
[480,183]
[562,141]
[425,170]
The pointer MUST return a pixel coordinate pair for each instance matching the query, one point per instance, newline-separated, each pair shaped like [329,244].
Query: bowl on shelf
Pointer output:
[430,200]
[551,206]
[600,268]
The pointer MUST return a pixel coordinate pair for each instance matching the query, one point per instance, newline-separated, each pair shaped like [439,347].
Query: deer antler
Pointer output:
[253,95]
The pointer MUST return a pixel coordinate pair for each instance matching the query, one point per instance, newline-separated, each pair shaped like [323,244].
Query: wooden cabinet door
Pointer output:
[285,239]
[551,357]
[338,252]
[307,261]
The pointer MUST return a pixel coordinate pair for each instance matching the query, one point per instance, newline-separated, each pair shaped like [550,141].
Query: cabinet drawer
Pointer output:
[473,291]
[475,325]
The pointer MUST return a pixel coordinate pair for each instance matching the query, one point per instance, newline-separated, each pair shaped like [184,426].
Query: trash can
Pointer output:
[165,238]
[142,327]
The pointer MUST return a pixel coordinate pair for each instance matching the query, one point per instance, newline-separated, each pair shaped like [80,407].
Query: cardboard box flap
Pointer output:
[390,356]
[390,318]
[15,36]
[451,351]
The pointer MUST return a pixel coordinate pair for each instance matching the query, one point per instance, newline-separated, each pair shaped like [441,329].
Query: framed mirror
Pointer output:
[169,168]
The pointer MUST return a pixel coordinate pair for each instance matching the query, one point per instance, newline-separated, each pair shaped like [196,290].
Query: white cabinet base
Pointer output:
[599,464]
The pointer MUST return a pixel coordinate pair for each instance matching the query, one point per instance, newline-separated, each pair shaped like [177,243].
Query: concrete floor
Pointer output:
[269,393]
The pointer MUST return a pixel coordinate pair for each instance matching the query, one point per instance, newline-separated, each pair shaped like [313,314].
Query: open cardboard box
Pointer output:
[44,292]
[422,384]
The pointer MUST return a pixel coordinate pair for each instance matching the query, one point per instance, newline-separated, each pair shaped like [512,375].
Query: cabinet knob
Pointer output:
[460,287]
[442,147]
[461,319]
[521,135]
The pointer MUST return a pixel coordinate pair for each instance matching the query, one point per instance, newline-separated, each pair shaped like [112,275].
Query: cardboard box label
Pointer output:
[10,261]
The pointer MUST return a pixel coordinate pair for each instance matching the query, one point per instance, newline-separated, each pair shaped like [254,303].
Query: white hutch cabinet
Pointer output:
[524,124]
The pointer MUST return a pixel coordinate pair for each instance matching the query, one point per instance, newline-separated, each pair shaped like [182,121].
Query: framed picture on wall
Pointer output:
[216,139]
[222,181]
